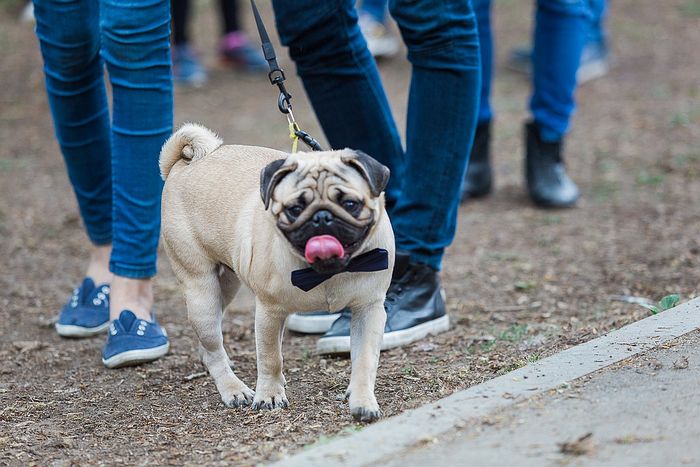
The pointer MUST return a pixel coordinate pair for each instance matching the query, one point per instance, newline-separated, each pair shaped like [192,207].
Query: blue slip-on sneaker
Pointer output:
[131,341]
[313,322]
[86,313]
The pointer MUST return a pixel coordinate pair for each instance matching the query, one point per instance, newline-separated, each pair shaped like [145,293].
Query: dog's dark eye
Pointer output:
[294,211]
[350,205]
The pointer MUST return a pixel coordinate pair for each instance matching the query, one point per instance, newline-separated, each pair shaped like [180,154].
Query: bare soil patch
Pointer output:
[521,283]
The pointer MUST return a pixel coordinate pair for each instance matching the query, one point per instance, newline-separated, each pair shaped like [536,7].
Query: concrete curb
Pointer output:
[384,440]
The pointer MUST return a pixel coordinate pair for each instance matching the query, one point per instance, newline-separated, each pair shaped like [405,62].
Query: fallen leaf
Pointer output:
[681,364]
[583,445]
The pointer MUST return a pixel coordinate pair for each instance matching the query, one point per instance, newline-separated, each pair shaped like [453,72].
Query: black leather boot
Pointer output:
[478,180]
[547,182]
[414,306]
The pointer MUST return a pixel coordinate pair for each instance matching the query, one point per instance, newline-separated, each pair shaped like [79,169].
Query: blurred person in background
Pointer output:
[112,160]
[595,58]
[561,31]
[234,49]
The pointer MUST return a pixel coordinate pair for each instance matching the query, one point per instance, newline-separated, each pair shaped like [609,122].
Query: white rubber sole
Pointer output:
[311,324]
[135,357]
[341,344]
[69,330]
[591,71]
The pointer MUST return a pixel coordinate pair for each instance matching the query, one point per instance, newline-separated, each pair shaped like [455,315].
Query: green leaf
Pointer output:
[669,301]
[651,308]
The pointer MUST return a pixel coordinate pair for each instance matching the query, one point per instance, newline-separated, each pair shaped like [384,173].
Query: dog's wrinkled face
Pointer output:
[325,203]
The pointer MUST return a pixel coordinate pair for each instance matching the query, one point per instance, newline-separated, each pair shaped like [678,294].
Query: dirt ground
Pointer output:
[521,283]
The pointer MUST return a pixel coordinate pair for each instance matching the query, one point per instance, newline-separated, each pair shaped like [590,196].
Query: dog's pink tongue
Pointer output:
[323,247]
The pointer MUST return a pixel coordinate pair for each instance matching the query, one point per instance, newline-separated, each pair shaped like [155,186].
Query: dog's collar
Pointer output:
[374,260]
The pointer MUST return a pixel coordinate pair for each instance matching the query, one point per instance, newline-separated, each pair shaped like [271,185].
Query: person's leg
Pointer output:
[234,47]
[343,85]
[478,180]
[187,68]
[229,16]
[70,44]
[443,47]
[482,10]
[180,11]
[341,80]
[375,8]
[68,34]
[135,47]
[597,33]
[561,28]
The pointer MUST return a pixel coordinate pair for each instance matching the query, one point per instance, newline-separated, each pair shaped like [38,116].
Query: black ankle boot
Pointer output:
[479,179]
[414,308]
[547,182]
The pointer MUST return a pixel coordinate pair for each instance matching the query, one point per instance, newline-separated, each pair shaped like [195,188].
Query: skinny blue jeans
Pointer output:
[343,85]
[562,28]
[112,162]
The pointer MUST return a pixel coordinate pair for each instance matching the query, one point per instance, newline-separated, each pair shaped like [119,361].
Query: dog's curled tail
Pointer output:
[190,143]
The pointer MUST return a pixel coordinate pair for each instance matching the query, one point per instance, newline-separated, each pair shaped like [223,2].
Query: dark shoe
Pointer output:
[414,305]
[479,178]
[314,322]
[547,182]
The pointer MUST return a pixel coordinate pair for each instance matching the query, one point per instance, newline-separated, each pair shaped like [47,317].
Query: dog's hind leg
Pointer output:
[269,328]
[366,332]
[229,288]
[203,294]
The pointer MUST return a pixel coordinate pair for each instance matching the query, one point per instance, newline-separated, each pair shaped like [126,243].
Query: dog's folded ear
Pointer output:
[271,175]
[376,174]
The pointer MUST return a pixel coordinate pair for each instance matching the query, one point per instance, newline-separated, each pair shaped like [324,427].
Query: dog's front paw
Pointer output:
[236,395]
[270,396]
[364,408]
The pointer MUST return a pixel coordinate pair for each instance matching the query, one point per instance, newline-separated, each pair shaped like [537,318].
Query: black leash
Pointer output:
[277,78]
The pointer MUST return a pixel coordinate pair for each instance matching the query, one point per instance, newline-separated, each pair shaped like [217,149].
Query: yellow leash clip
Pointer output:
[293,128]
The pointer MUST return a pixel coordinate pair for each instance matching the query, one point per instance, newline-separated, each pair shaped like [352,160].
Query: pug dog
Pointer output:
[264,218]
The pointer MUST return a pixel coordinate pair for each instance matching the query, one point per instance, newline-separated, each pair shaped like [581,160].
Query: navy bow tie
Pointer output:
[374,260]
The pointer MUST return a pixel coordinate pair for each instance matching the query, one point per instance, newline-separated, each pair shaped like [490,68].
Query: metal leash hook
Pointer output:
[277,78]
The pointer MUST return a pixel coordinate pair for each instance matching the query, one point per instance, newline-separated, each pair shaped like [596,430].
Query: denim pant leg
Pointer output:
[375,8]
[597,32]
[561,28]
[136,49]
[68,33]
[341,80]
[482,10]
[443,47]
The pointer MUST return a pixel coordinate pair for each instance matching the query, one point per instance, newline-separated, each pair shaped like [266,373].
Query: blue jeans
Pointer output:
[561,31]
[375,8]
[597,32]
[112,165]
[343,85]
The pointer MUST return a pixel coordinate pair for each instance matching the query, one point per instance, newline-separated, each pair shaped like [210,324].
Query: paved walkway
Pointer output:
[631,397]
[644,411]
